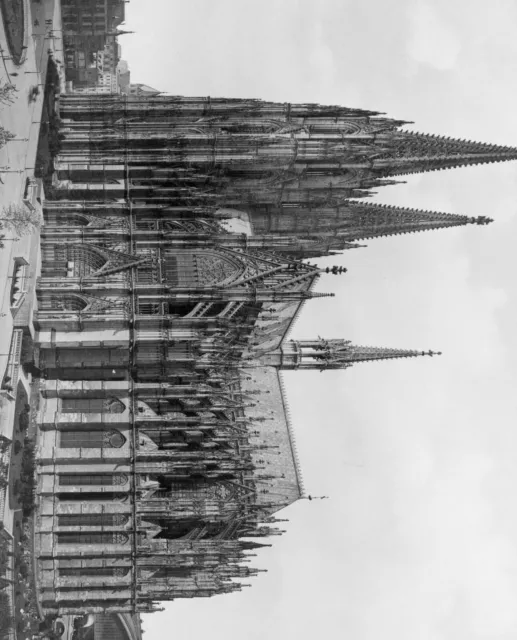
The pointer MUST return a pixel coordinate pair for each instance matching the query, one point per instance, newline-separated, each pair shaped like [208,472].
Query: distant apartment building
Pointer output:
[109,81]
[89,26]
[107,60]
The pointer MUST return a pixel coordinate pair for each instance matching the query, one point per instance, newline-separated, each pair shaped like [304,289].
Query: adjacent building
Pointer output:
[90,28]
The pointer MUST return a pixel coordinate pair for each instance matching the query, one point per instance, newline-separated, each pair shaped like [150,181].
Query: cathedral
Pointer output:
[178,249]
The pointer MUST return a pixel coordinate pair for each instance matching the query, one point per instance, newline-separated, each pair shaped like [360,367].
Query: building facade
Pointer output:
[173,267]
[89,32]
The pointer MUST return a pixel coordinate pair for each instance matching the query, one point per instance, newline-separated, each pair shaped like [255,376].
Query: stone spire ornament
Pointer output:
[324,354]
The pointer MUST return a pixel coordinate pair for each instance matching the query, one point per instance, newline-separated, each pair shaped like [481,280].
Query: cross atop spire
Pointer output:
[408,152]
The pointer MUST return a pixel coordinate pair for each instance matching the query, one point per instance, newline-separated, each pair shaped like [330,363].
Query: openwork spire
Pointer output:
[337,228]
[324,354]
[334,353]
[363,220]
[408,152]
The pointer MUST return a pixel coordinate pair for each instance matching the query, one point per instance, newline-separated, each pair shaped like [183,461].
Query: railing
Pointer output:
[20,280]
[4,461]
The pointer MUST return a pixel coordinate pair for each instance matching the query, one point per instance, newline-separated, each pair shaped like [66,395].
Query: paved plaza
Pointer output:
[19,268]
[42,38]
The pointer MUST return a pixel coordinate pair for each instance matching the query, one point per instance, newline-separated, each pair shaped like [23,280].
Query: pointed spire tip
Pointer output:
[482,220]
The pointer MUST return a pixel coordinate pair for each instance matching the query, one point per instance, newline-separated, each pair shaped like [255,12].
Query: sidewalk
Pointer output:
[18,157]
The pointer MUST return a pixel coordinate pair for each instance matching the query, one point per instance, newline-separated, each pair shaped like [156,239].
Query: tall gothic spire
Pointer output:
[336,227]
[331,354]
[408,152]
[369,220]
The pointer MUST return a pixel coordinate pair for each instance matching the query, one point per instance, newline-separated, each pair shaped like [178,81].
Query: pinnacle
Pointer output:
[365,354]
[335,270]
[481,220]
[315,294]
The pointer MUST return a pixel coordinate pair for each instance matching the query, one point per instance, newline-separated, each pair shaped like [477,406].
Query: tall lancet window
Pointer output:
[92,405]
[94,572]
[91,439]
[93,537]
[92,479]
[68,302]
[93,520]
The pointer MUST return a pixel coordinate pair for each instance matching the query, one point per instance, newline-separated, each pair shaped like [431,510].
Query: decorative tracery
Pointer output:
[213,268]
[86,260]
[66,302]
[93,520]
[94,572]
[92,405]
[91,439]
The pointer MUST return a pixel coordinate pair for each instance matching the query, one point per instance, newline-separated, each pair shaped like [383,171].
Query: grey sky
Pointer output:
[419,539]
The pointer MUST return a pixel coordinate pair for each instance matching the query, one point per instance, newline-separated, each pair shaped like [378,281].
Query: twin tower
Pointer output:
[260,185]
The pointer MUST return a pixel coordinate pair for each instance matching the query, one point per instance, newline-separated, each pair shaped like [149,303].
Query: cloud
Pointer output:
[432,41]
[321,58]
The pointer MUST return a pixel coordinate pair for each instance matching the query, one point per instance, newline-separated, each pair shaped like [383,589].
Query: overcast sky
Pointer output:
[419,538]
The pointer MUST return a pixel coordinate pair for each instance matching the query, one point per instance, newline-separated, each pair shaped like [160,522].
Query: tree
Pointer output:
[5,443]
[5,136]
[7,93]
[20,219]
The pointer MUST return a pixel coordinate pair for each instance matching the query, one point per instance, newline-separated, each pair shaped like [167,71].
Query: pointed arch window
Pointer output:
[180,309]
[93,479]
[78,357]
[85,260]
[92,405]
[93,520]
[101,572]
[91,439]
[173,572]
[215,269]
[145,225]
[93,537]
[67,302]
[67,219]
[92,496]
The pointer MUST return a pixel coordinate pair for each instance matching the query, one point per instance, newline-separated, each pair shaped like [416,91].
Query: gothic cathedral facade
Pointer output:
[173,263]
